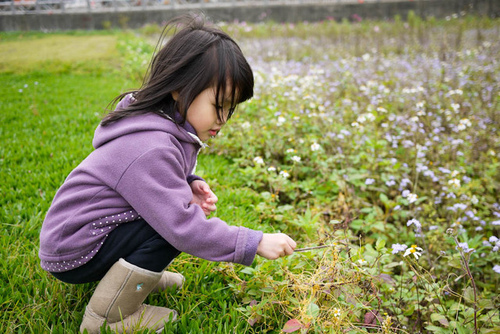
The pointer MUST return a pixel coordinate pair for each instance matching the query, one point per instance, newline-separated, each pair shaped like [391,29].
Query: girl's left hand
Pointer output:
[203,196]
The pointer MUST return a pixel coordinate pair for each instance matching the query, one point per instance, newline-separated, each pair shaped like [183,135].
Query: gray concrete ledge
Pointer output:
[137,17]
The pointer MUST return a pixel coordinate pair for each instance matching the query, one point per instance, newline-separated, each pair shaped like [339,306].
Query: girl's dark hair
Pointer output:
[196,57]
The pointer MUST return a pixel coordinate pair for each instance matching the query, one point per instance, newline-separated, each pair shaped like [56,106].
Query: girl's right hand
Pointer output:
[275,245]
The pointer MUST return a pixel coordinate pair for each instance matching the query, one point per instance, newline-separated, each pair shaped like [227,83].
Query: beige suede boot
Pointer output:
[118,299]
[169,279]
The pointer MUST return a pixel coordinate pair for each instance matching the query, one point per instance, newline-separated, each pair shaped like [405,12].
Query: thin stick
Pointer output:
[311,248]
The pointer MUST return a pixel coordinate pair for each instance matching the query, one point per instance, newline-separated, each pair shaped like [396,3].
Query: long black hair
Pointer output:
[198,56]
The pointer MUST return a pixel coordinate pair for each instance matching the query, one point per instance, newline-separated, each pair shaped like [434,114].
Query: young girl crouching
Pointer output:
[124,214]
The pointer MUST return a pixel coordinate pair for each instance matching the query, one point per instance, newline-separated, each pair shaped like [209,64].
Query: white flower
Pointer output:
[337,313]
[258,160]
[496,268]
[466,122]
[465,247]
[454,183]
[272,169]
[290,150]
[412,198]
[284,174]
[396,248]
[296,158]
[416,251]
[246,125]
[474,200]
[415,222]
[369,181]
[495,243]
[361,119]
[280,121]
[459,206]
[362,262]
[455,92]
[315,147]
[404,182]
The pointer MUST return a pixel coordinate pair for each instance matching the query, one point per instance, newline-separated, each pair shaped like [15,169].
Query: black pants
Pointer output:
[136,242]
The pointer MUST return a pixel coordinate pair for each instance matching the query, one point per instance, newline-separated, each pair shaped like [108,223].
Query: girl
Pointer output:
[135,203]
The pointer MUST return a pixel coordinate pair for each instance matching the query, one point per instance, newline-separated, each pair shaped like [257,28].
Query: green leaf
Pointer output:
[313,310]
[486,303]
[409,310]
[435,329]
[252,292]
[440,318]
[380,244]
[378,226]
[356,224]
[469,294]
[384,198]
[248,270]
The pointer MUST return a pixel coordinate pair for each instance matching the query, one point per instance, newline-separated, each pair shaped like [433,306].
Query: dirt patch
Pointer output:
[26,55]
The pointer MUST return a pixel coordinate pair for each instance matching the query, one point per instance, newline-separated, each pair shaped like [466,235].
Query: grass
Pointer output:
[324,152]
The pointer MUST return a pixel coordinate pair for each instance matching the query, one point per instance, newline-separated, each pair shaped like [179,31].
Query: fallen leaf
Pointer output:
[291,326]
[371,318]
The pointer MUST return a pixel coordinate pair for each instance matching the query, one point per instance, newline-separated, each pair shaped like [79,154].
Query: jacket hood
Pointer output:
[144,122]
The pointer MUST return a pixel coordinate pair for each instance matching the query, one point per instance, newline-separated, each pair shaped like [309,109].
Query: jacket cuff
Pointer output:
[192,177]
[253,240]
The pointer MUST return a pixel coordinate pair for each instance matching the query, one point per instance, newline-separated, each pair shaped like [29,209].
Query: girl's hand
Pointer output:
[203,196]
[276,245]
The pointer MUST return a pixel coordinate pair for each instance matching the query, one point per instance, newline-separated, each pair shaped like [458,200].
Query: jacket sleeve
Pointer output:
[156,186]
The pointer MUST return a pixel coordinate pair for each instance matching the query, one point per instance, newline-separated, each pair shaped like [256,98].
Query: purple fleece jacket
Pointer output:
[140,166]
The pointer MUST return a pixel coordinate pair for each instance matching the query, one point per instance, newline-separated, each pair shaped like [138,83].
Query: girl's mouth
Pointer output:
[213,133]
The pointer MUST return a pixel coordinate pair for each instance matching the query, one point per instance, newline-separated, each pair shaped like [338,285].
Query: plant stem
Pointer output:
[468,272]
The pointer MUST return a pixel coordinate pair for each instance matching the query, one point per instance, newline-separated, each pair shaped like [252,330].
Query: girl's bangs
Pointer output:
[234,77]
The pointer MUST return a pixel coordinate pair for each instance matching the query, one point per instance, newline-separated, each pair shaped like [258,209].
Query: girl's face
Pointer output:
[202,114]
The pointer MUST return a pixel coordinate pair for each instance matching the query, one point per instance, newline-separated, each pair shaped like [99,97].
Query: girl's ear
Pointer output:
[175,95]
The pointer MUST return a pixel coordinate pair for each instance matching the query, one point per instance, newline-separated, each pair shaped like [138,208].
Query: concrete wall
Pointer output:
[251,13]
